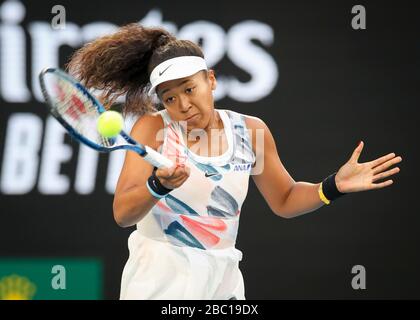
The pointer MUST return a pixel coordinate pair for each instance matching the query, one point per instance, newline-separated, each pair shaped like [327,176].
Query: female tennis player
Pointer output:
[187,216]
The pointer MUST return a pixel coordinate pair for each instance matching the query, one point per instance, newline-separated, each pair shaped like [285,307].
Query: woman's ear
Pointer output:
[212,79]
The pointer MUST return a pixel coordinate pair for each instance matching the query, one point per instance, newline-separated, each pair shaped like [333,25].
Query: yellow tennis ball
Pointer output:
[110,123]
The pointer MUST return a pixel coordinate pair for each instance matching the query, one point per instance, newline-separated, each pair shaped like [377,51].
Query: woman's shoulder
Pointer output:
[255,126]
[147,128]
[150,120]
[251,122]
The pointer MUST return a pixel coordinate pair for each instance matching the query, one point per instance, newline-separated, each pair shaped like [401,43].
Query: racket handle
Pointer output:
[156,159]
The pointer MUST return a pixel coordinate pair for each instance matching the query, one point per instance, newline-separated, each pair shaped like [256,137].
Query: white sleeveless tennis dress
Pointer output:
[184,248]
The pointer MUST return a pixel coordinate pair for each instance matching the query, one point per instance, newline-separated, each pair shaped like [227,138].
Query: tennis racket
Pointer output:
[78,111]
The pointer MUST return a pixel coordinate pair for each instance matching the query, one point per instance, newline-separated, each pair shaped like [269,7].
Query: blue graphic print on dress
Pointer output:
[178,206]
[226,204]
[176,230]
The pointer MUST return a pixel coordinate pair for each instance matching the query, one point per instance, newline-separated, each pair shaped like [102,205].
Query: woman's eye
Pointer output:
[189,90]
[169,100]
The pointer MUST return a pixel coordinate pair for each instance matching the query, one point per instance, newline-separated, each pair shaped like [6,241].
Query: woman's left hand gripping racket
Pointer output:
[78,111]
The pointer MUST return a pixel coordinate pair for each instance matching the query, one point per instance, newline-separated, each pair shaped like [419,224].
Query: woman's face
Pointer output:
[190,99]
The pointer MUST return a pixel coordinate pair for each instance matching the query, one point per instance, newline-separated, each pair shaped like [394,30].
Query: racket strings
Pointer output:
[78,110]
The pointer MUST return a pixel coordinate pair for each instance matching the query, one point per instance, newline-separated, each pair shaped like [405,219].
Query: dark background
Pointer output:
[336,86]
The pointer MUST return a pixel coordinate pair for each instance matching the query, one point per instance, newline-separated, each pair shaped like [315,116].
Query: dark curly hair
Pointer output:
[120,64]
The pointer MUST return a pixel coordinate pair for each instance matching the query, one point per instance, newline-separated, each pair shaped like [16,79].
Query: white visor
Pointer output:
[175,68]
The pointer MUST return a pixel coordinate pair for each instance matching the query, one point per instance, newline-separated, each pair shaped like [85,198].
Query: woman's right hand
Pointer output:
[174,176]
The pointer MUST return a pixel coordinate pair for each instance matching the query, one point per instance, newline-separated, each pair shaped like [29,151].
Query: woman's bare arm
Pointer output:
[288,198]
[285,197]
[132,200]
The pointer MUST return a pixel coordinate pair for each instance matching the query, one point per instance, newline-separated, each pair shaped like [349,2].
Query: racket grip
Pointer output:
[156,159]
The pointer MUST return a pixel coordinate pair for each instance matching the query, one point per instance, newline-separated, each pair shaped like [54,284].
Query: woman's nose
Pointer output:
[184,103]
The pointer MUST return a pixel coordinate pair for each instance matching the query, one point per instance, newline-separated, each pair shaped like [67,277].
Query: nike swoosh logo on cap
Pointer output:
[161,72]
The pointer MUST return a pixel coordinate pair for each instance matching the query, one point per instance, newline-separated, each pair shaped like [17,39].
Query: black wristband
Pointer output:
[156,188]
[329,188]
